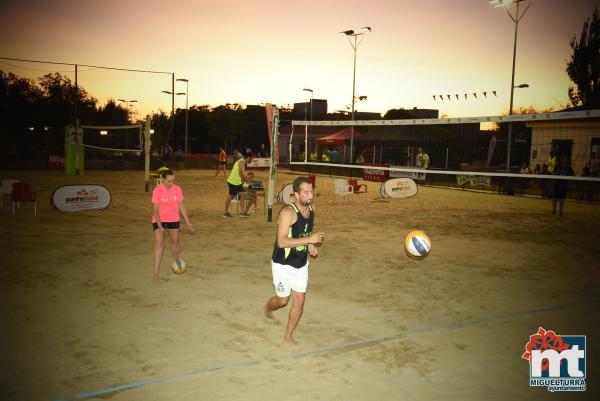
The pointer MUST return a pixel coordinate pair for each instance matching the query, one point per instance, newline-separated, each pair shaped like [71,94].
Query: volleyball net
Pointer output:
[517,154]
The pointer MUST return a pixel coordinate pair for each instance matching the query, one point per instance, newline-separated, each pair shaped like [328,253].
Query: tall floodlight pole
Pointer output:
[186,110]
[516,19]
[138,106]
[128,103]
[173,111]
[305,125]
[353,39]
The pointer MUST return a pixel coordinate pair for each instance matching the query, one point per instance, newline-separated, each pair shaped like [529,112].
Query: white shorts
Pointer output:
[287,279]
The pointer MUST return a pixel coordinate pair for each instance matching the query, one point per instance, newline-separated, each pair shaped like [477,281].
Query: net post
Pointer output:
[272,168]
[147,152]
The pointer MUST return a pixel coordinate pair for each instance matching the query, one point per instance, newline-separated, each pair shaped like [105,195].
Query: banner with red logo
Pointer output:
[75,198]
[56,161]
[377,175]
[398,188]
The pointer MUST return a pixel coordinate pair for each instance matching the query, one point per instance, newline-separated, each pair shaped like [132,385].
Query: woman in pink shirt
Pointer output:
[167,200]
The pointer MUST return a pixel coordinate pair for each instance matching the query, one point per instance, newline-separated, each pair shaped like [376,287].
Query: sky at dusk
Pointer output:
[253,52]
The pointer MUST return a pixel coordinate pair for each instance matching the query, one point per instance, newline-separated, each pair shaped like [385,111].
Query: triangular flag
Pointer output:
[485,94]
[494,92]
[442,97]
[465,96]
[456,96]
[434,98]
[448,97]
[475,94]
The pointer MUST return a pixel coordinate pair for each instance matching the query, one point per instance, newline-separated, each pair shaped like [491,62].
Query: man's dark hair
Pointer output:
[299,181]
[165,173]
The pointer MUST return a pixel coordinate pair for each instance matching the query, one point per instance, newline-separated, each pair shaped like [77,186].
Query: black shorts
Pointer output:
[235,189]
[167,226]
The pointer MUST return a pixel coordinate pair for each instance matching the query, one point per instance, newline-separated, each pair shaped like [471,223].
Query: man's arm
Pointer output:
[242,170]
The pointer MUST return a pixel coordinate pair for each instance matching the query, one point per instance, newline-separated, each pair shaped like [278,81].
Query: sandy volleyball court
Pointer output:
[83,318]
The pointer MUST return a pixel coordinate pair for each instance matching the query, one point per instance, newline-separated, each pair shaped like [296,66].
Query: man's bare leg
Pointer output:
[294,316]
[273,304]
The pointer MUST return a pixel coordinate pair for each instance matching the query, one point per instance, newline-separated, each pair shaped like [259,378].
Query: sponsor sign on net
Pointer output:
[415,175]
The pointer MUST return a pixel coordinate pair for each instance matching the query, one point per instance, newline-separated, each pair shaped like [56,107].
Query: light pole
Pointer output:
[173,112]
[354,43]
[516,19]
[306,126]
[186,110]
[172,102]
[128,102]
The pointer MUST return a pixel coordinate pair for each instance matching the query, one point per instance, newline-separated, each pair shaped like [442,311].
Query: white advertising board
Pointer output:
[399,188]
[75,198]
[286,195]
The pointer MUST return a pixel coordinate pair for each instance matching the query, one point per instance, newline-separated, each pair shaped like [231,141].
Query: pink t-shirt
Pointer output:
[168,203]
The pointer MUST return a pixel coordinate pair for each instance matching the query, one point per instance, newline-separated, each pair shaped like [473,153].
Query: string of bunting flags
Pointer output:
[474,94]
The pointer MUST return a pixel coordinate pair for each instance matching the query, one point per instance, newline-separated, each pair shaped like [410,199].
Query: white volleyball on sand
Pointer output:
[178,266]
[417,244]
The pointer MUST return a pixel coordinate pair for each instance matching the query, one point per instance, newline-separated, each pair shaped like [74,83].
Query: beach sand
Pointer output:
[83,318]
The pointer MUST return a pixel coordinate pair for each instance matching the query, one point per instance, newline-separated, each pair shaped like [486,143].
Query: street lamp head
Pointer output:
[347,33]
[133,101]
[180,93]
[366,29]
[181,80]
[363,97]
[122,100]
[500,3]
[308,90]
[522,86]
[167,92]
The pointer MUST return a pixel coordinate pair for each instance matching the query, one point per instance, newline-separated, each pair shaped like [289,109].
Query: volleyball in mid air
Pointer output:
[178,266]
[417,244]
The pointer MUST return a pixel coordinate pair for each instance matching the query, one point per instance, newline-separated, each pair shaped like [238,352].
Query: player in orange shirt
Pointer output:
[221,161]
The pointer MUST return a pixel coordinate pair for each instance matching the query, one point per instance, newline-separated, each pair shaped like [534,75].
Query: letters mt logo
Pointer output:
[556,362]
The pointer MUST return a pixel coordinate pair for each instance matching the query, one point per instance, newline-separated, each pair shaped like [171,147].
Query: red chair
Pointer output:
[356,187]
[21,192]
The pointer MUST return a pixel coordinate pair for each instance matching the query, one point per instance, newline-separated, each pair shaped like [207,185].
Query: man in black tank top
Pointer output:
[293,243]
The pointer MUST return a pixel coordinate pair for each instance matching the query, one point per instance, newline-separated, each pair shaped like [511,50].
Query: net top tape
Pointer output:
[459,120]
[109,127]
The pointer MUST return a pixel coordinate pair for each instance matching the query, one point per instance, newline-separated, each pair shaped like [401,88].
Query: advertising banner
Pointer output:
[259,162]
[415,175]
[56,161]
[474,180]
[75,198]
[375,174]
[398,188]
[286,195]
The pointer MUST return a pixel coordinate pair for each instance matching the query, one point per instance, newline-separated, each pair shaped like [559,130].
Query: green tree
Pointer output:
[111,114]
[60,96]
[584,66]
[226,123]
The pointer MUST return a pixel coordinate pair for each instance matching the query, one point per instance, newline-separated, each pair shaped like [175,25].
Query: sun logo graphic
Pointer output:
[82,192]
[556,362]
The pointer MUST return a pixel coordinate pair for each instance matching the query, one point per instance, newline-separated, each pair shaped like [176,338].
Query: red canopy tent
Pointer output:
[337,138]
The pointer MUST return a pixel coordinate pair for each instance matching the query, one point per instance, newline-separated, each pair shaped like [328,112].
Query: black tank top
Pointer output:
[302,228]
